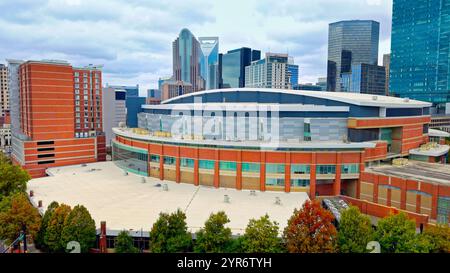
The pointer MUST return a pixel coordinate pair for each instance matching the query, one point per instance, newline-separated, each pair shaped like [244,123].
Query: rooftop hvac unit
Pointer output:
[165,187]
[277,201]
[406,99]
[226,198]
[142,179]
[374,97]
[253,193]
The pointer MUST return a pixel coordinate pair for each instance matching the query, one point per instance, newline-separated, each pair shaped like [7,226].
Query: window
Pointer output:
[168,160]
[46,149]
[46,162]
[299,183]
[274,168]
[77,86]
[326,169]
[227,166]
[187,163]
[206,164]
[154,158]
[77,74]
[46,155]
[349,168]
[85,97]
[300,169]
[45,143]
[275,182]
[250,167]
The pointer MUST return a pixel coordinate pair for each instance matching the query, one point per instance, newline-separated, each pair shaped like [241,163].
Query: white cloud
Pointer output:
[133,38]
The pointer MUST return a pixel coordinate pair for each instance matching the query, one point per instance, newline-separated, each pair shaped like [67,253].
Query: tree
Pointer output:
[439,238]
[18,216]
[52,237]
[169,233]
[13,178]
[40,237]
[355,231]
[397,234]
[124,243]
[310,230]
[261,236]
[80,227]
[214,237]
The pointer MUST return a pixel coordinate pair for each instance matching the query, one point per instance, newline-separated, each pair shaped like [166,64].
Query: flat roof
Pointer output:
[440,150]
[125,202]
[347,97]
[415,170]
[265,145]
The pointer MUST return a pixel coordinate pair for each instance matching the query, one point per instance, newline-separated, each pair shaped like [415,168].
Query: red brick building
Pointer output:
[59,116]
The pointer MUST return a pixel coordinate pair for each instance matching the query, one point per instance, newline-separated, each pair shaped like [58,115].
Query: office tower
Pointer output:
[387,65]
[50,125]
[233,66]
[293,71]
[114,110]
[365,79]
[172,89]
[307,87]
[4,91]
[153,96]
[420,51]
[133,102]
[187,60]
[210,61]
[350,43]
[271,72]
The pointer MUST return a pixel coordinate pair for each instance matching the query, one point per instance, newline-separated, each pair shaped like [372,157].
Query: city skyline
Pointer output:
[133,41]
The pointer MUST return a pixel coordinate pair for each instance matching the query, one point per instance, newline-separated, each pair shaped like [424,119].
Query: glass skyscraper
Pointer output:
[210,61]
[187,59]
[233,66]
[420,46]
[350,43]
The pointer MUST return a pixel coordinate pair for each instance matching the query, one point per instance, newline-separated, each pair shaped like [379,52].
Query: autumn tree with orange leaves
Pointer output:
[311,230]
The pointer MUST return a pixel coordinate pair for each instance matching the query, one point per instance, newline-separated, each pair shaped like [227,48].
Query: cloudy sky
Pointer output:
[133,38]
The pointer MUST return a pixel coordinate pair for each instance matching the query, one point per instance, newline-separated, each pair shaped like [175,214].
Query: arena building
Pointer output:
[282,140]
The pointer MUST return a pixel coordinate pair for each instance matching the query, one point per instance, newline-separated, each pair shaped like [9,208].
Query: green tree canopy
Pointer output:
[310,230]
[355,231]
[19,215]
[439,238]
[52,237]
[397,234]
[40,237]
[13,178]
[169,233]
[124,243]
[214,237]
[261,236]
[80,227]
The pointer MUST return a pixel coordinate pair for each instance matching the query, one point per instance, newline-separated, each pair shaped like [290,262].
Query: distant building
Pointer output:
[308,87]
[4,91]
[114,110]
[387,65]
[153,96]
[172,89]
[60,124]
[210,61]
[365,79]
[350,43]
[271,72]
[420,51]
[187,60]
[293,71]
[233,65]
[322,82]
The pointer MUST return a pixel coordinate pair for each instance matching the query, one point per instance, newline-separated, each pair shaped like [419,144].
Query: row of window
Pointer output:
[280,182]
[255,167]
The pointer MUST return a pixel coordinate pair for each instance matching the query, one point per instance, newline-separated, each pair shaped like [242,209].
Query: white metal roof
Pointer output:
[347,97]
[243,106]
[437,133]
[125,202]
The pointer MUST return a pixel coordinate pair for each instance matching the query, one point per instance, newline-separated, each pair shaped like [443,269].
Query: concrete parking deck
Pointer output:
[125,202]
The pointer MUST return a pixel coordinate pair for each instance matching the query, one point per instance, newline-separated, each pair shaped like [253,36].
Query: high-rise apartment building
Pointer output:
[350,43]
[187,60]
[4,91]
[210,61]
[271,72]
[56,115]
[420,51]
[233,66]
[387,68]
